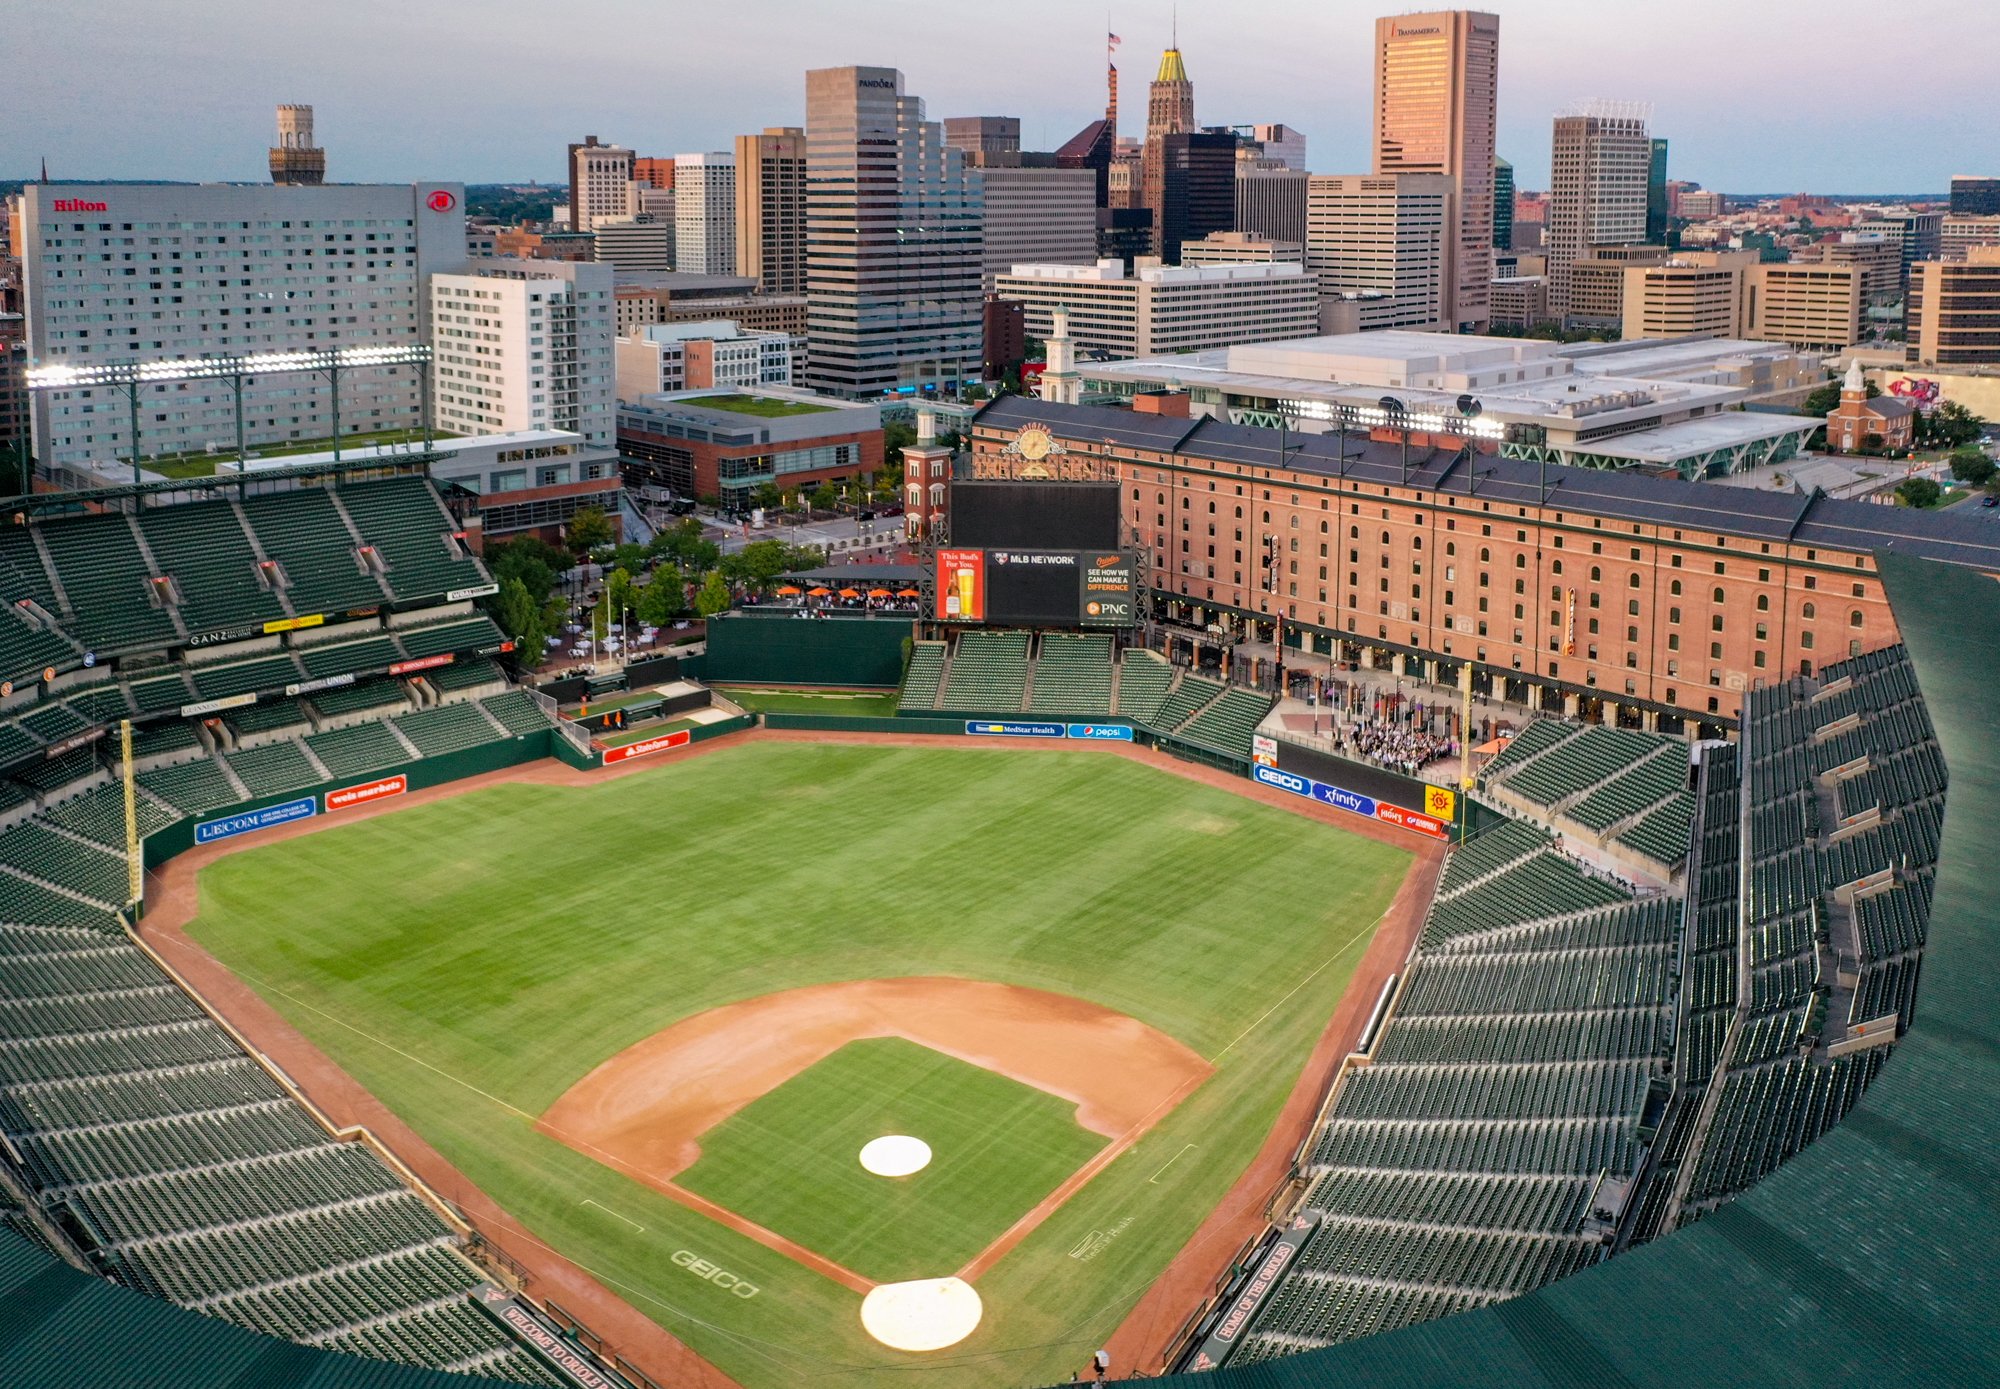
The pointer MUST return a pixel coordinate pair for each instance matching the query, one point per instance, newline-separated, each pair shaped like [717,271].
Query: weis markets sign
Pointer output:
[1353,802]
[366,793]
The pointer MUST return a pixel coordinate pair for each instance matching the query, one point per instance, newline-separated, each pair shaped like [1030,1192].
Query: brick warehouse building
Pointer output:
[695,448]
[1639,598]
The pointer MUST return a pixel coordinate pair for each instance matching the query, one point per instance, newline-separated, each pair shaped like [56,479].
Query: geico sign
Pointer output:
[722,1278]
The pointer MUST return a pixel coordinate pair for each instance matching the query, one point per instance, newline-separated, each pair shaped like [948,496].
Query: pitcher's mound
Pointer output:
[925,1314]
[898,1155]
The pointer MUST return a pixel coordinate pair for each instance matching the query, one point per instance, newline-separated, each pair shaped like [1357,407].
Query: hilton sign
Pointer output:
[77,205]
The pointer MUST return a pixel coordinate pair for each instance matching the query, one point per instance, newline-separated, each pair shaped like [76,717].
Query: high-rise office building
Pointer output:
[892,239]
[1959,232]
[1597,187]
[598,175]
[1379,242]
[1197,189]
[1954,312]
[525,345]
[1437,81]
[1170,111]
[986,141]
[1975,195]
[1271,202]
[654,173]
[771,209]
[705,213]
[1047,216]
[1917,235]
[645,242]
[1656,193]
[1503,205]
[295,158]
[298,269]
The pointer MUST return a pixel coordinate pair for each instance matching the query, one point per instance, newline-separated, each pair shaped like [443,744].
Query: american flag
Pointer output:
[1113,40]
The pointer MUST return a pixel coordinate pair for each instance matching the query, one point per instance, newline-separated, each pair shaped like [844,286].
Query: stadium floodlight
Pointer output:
[131,376]
[67,376]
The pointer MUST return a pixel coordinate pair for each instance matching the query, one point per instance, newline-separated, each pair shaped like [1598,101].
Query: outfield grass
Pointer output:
[528,933]
[790,1160]
[869,704]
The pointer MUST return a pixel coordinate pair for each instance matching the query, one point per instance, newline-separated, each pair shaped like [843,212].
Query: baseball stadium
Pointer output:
[1021,984]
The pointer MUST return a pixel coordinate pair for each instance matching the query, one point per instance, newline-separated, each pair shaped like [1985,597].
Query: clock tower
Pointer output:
[1060,383]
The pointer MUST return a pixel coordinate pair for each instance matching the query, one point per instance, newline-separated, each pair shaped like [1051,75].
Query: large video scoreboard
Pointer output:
[1038,588]
[1037,554]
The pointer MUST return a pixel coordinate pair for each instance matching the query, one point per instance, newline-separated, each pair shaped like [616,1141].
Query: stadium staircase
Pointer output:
[150,1146]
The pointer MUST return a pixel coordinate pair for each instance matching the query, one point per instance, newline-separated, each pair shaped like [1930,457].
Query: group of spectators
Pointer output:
[1400,746]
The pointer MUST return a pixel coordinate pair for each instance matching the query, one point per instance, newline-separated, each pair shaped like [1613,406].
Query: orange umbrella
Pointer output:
[879,593]
[788,592]
[818,592]
[909,593]
[850,593]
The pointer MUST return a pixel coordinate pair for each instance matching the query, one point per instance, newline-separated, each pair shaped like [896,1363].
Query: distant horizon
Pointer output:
[403,91]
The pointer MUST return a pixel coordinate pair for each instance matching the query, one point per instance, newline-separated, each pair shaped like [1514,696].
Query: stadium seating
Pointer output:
[1190,694]
[1227,724]
[447,728]
[204,549]
[920,682]
[988,675]
[361,749]
[1143,680]
[1072,676]
[113,601]
[309,539]
[410,530]
[359,698]
[434,639]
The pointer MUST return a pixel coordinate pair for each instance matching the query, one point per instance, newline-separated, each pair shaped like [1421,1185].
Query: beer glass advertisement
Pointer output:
[961,586]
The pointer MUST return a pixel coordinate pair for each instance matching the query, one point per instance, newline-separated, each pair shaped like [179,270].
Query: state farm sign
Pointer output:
[77,205]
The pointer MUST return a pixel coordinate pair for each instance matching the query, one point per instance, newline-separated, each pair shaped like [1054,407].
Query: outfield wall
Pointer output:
[833,652]
[415,775]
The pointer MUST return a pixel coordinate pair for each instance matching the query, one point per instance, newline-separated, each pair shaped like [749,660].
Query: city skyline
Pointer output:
[187,96]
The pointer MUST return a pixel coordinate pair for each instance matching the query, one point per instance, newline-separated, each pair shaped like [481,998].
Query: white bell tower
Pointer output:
[1060,384]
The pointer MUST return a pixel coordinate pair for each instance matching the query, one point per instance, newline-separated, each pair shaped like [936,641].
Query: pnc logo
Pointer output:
[78,205]
[440,201]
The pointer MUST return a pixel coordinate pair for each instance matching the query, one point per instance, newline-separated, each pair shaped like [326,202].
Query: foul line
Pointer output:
[614,1214]
[1155,1178]
[1362,934]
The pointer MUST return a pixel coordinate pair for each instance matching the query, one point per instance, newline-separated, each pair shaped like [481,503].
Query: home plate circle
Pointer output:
[926,1314]
[898,1155]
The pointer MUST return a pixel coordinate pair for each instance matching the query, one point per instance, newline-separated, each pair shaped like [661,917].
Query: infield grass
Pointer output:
[791,1160]
[470,959]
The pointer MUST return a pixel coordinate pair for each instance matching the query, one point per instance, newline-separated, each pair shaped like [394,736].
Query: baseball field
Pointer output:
[657,1019]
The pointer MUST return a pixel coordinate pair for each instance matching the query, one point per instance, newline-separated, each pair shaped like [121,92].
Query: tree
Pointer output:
[587,529]
[766,495]
[685,546]
[620,593]
[825,497]
[664,598]
[1822,401]
[1919,492]
[897,435]
[1948,426]
[630,557]
[536,564]
[1971,465]
[714,595]
[528,622]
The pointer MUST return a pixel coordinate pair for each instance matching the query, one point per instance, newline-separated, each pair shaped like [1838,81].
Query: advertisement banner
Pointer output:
[365,792]
[328,682]
[1108,590]
[677,739]
[1228,1330]
[216,706]
[228,826]
[293,624]
[1101,732]
[1017,730]
[482,591]
[216,638]
[1263,750]
[961,586]
[1440,802]
[1352,802]
[422,663]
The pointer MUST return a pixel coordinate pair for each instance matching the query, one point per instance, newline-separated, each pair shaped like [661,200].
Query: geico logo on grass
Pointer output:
[722,1278]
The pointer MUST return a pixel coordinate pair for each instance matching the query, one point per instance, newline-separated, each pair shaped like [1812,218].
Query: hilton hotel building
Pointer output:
[149,272]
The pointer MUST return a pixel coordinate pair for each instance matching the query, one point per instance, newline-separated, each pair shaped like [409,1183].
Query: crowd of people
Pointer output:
[1401,746]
